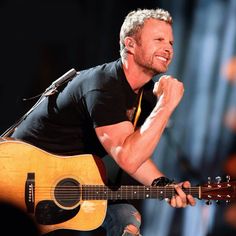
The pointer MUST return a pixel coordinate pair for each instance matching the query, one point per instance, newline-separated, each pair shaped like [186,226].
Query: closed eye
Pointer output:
[159,39]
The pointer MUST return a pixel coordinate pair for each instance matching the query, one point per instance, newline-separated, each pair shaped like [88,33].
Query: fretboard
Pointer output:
[102,192]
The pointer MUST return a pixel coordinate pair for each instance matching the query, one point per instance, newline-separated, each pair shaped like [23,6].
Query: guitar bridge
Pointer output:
[30,192]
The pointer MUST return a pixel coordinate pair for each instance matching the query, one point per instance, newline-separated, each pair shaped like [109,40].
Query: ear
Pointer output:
[130,44]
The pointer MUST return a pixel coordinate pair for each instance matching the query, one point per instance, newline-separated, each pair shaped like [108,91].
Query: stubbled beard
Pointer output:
[147,65]
[150,70]
[147,68]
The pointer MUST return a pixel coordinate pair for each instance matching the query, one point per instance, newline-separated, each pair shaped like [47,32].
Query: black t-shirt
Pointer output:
[64,122]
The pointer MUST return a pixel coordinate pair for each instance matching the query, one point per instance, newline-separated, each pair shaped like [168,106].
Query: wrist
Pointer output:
[162,181]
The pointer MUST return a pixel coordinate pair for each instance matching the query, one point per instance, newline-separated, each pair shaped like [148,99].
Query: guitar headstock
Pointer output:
[225,191]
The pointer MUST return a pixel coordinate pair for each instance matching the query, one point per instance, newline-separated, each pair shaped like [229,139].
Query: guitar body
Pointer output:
[32,179]
[68,192]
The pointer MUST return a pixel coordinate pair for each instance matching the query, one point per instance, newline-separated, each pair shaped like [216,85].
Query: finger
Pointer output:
[181,193]
[155,88]
[186,184]
[173,202]
[161,84]
[167,200]
[181,198]
[191,200]
[158,89]
[180,202]
[165,77]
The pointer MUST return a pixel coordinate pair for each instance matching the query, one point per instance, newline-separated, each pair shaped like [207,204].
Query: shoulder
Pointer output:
[101,76]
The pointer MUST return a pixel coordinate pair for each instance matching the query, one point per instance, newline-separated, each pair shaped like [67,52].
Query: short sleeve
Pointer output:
[106,107]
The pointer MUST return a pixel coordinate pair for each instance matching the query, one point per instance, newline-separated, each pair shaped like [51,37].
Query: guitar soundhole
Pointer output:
[67,192]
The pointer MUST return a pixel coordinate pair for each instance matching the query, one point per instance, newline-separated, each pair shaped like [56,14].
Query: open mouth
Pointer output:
[162,58]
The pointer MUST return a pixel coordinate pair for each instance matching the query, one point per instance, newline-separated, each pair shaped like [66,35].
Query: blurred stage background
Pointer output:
[42,39]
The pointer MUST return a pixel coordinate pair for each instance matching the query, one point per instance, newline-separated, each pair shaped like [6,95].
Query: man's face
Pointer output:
[154,46]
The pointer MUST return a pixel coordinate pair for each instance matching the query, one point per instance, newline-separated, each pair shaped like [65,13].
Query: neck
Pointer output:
[136,77]
[98,192]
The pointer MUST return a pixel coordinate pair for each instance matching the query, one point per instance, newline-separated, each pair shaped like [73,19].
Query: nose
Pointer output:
[168,48]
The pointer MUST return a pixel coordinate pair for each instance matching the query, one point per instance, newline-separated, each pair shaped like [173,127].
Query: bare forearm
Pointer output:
[139,146]
[147,172]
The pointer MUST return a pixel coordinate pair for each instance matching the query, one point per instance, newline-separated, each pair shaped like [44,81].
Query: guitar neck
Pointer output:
[102,192]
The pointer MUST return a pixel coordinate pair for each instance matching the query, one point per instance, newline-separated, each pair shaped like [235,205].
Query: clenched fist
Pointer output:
[169,91]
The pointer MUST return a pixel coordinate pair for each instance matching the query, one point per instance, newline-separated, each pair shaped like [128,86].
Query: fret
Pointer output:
[102,192]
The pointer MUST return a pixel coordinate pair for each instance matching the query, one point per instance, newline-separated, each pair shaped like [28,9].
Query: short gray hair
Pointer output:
[134,21]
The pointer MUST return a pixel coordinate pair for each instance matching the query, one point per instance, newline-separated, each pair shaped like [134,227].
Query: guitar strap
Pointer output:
[52,89]
[138,112]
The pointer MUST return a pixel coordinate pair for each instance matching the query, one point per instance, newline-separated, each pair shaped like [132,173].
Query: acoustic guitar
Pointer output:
[69,192]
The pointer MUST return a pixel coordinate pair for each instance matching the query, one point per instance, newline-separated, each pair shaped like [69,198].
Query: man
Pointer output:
[95,112]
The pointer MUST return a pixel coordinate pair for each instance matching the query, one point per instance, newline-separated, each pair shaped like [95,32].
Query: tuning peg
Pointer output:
[209,180]
[217,202]
[227,178]
[218,179]
[208,202]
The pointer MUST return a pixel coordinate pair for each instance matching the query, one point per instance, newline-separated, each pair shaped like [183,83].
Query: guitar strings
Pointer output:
[97,192]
